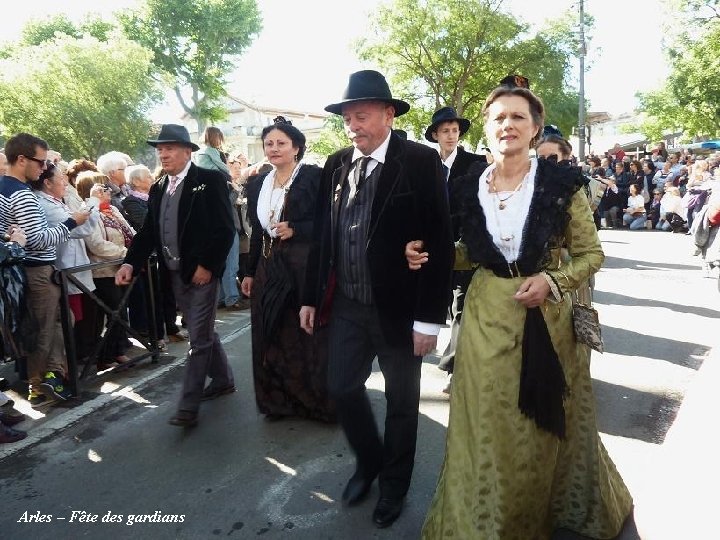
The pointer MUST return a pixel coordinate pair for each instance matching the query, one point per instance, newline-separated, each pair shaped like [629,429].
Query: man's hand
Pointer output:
[423,344]
[81,216]
[201,276]
[246,286]
[283,231]
[307,319]
[124,275]
[533,291]
[414,256]
[17,235]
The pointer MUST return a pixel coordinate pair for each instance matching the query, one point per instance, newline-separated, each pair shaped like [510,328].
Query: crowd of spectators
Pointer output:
[62,215]
[662,191]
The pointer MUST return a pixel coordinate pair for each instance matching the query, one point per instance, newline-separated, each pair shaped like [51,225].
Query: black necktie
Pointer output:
[361,170]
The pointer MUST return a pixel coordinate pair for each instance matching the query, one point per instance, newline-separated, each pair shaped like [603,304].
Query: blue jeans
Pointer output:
[663,225]
[228,290]
[635,222]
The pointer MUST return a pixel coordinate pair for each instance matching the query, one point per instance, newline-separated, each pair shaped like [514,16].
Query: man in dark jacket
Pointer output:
[189,223]
[446,129]
[375,197]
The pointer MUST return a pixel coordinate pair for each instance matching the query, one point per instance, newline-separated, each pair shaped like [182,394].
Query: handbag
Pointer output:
[586,324]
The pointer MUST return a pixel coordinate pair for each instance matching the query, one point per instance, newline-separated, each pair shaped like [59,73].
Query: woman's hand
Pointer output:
[414,256]
[533,291]
[246,286]
[283,231]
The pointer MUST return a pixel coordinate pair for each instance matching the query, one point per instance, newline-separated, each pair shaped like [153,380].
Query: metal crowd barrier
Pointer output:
[115,317]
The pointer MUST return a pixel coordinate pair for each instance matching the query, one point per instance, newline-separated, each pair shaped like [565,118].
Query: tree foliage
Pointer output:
[455,52]
[689,99]
[194,45]
[83,96]
[332,138]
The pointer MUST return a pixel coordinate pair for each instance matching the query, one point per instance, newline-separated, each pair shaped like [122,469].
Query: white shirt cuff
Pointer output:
[429,329]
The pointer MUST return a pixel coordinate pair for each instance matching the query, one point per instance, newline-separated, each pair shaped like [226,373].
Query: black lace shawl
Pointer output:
[542,381]
[555,185]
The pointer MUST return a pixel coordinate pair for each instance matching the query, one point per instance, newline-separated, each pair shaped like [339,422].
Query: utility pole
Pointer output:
[581,108]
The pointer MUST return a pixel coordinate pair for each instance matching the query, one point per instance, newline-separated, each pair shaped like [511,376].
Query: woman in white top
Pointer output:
[634,215]
[523,456]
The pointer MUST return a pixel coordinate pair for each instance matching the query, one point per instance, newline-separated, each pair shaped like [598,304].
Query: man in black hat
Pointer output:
[446,129]
[375,196]
[189,224]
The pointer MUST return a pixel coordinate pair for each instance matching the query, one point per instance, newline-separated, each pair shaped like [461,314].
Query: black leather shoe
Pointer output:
[387,511]
[184,419]
[357,489]
[212,393]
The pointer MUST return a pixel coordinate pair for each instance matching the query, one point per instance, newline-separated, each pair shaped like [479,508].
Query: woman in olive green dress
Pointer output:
[523,455]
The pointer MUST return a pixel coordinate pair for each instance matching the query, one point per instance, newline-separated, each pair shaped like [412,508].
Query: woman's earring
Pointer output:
[296,157]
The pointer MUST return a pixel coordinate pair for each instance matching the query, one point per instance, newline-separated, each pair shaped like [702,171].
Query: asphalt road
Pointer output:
[236,475]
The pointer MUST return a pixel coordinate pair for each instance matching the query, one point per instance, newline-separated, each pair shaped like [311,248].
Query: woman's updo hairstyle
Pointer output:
[517,85]
[295,135]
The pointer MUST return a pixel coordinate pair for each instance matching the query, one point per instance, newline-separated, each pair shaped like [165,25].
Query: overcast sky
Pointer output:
[303,57]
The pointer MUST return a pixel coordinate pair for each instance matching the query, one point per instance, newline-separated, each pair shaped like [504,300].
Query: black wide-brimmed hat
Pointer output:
[173,133]
[368,85]
[446,114]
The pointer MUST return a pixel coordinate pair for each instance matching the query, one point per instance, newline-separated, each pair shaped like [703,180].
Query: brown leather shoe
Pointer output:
[176,338]
[184,419]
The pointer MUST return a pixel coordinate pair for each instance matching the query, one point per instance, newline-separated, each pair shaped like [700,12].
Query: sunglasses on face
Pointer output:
[41,162]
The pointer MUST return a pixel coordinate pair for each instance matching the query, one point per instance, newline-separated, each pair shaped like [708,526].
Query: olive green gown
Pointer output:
[504,478]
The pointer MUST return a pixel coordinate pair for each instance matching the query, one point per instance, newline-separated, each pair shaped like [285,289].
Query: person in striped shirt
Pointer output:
[19,207]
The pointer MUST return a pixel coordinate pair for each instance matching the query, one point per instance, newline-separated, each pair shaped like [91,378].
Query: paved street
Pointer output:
[236,475]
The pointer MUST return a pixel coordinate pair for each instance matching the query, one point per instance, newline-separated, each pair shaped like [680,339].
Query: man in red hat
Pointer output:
[376,196]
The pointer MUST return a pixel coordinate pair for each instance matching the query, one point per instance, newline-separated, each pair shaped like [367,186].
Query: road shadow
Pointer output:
[615,299]
[630,264]
[628,343]
[634,414]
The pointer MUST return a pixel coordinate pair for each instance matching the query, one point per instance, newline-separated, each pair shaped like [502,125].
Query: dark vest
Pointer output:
[354,225]
[169,207]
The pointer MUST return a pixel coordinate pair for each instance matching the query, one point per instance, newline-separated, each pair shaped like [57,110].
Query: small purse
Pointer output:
[586,324]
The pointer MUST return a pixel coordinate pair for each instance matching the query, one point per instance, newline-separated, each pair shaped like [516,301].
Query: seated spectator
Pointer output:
[662,176]
[671,210]
[634,215]
[653,210]
[610,204]
[623,179]
[596,168]
[609,170]
[108,242]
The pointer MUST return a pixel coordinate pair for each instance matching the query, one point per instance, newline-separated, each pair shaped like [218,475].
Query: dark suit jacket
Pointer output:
[204,221]
[410,204]
[459,168]
[299,210]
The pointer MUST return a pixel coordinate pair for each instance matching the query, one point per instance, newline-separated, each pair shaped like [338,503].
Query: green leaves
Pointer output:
[195,44]
[689,100]
[83,96]
[455,52]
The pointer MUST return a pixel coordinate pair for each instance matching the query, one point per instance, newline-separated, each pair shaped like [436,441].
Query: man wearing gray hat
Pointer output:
[374,198]
[189,224]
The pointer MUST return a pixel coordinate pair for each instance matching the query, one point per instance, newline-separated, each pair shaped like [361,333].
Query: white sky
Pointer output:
[303,57]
